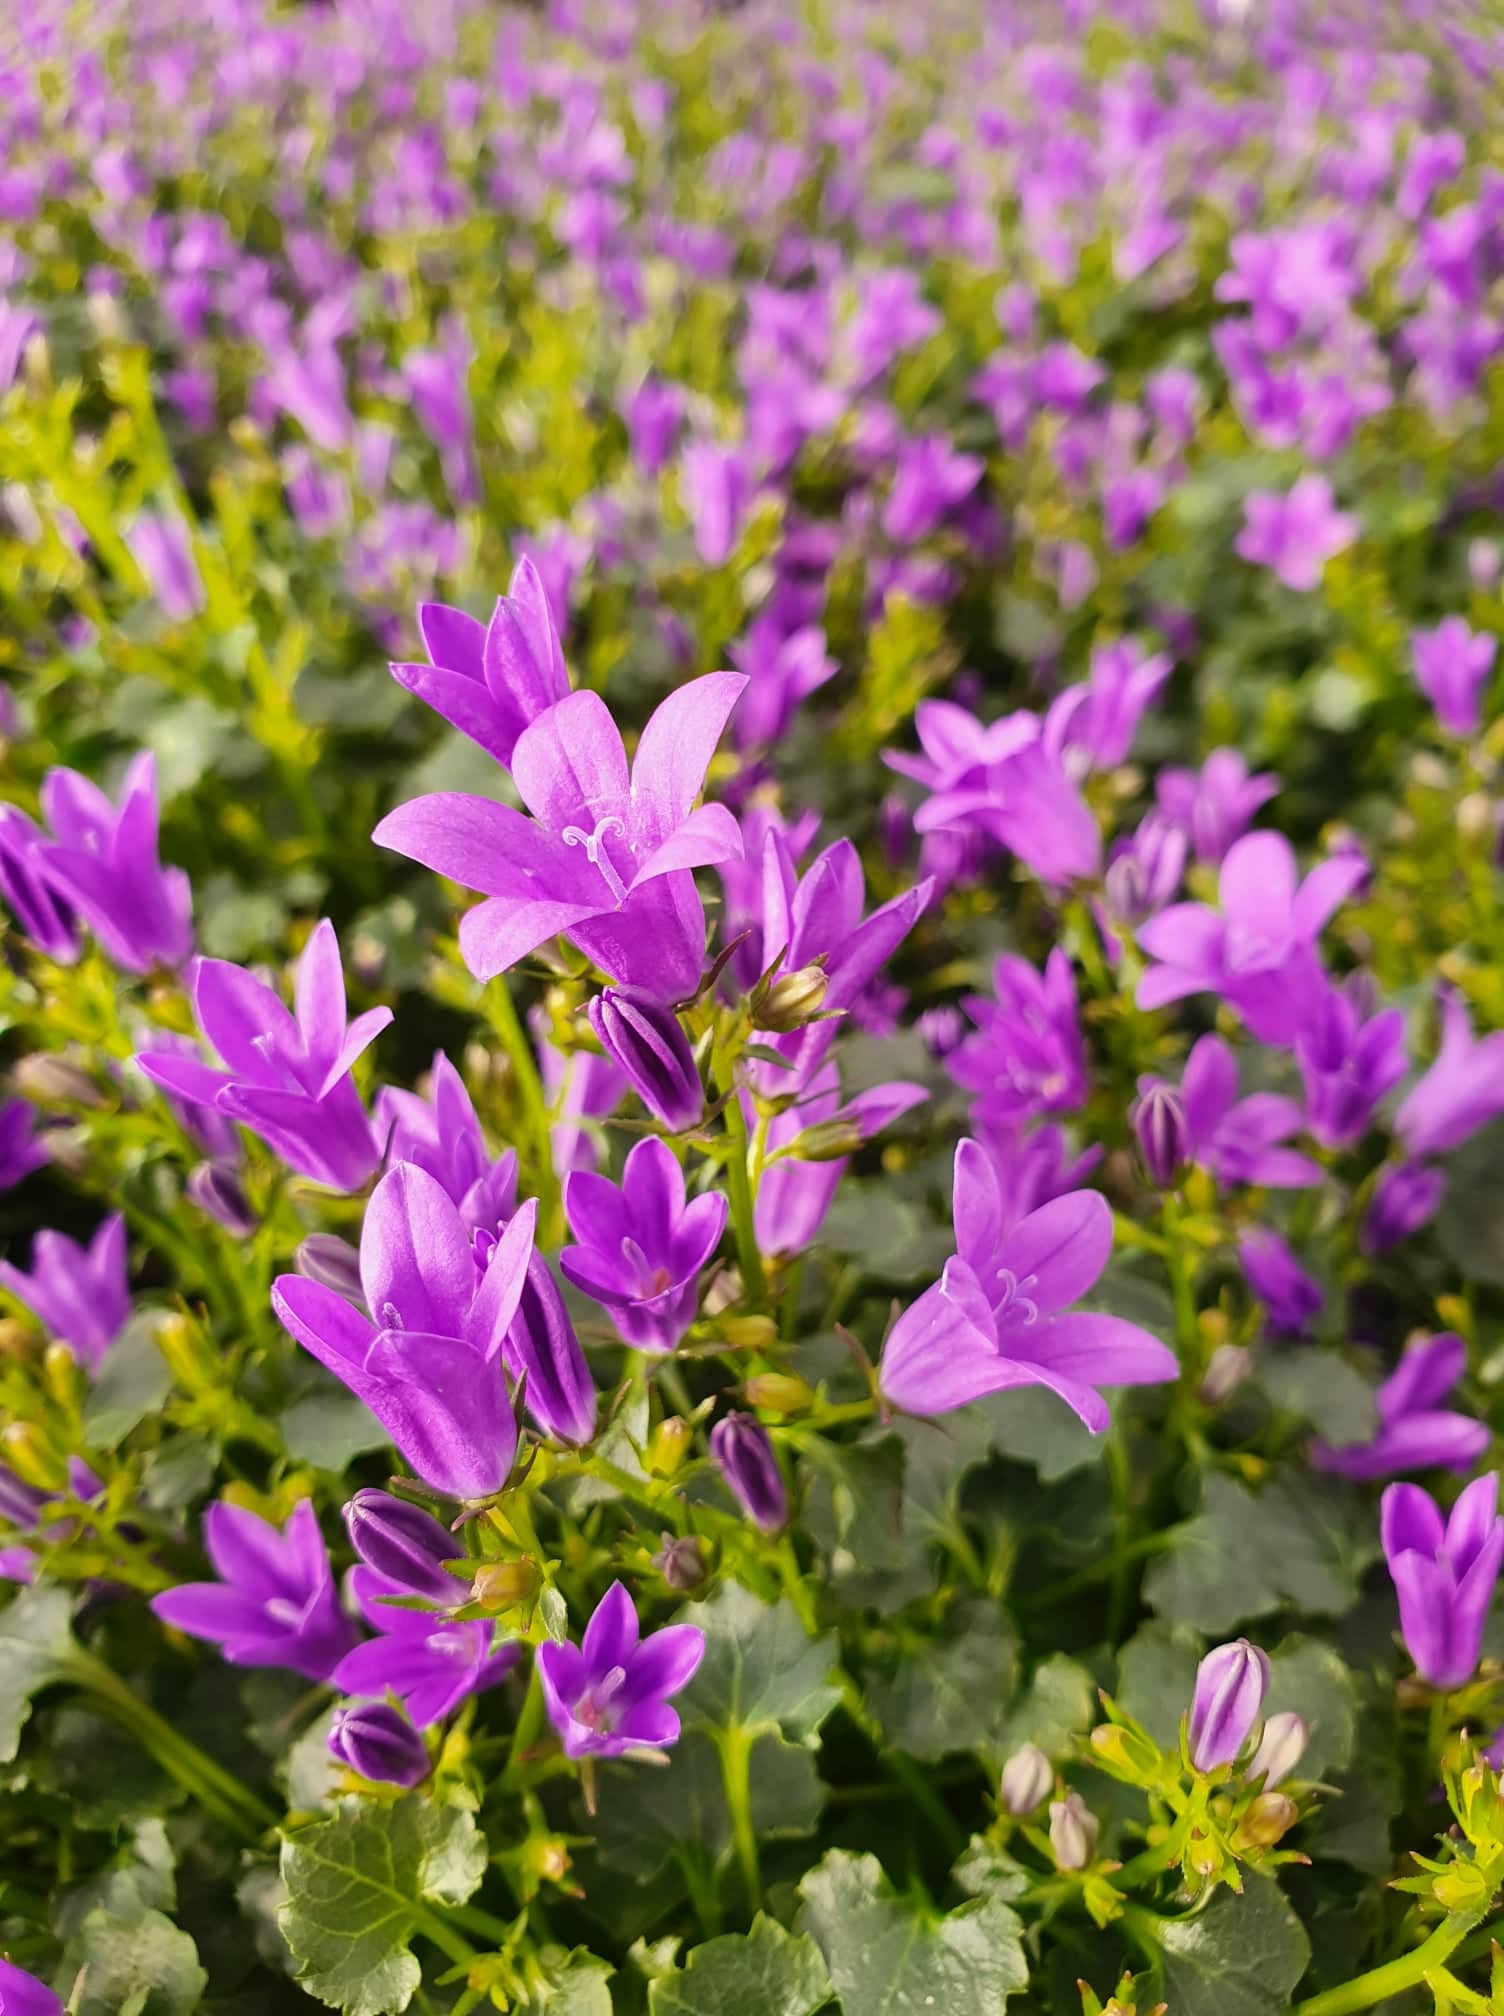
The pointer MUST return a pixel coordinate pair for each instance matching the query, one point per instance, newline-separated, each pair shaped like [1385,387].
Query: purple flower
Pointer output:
[403,1544]
[1463,1089]
[209,1129]
[653,414]
[930,478]
[430,1663]
[1291,1296]
[1347,1065]
[1144,872]
[1034,1168]
[1214,805]
[1452,664]
[610,1694]
[581,1085]
[1231,1683]
[436,382]
[20,1150]
[541,1346]
[288,1076]
[161,548]
[1444,1575]
[1257,953]
[216,1189]
[1163,1133]
[1406,1197]
[1026,802]
[1027,1057]
[377,1742]
[795,1195]
[606,857]
[744,1450]
[1414,1433]
[22,1994]
[430,1365]
[103,863]
[77,1293]
[1000,1314]
[1238,1139]
[743,884]
[645,1039]
[275,1603]
[1295,532]
[445,1139]
[641,1245]
[23,1506]
[38,908]
[491,680]
[716,486]
[1091,725]
[783,668]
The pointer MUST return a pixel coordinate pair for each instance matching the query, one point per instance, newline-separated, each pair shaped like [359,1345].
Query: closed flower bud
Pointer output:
[1268,1819]
[56,1081]
[1026,1781]
[63,1374]
[1124,1754]
[1226,1369]
[215,1187]
[1073,1831]
[778,1392]
[332,1262]
[668,1445]
[378,1742]
[32,1457]
[1163,1134]
[826,1141]
[1281,1748]
[790,1002]
[1231,1683]
[742,1448]
[748,1333]
[681,1562]
[547,1857]
[501,1585]
[646,1039]
[403,1542]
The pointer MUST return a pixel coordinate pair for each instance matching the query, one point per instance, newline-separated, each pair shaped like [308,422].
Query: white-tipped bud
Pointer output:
[1281,1748]
[1026,1781]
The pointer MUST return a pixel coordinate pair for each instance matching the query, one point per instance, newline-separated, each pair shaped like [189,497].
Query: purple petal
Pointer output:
[569,764]
[415,1255]
[674,752]
[1063,1246]
[611,1635]
[706,837]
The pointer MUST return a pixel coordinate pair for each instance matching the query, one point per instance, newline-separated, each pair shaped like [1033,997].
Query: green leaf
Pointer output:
[36,1639]
[141,1880]
[1317,1683]
[1322,1388]
[950,1693]
[1156,1676]
[985,1870]
[133,1382]
[1059,1702]
[359,1887]
[764,1972]
[135,1963]
[760,1670]
[886,1958]
[646,1817]
[1300,1544]
[1036,1427]
[1241,1957]
[566,1984]
[329,1429]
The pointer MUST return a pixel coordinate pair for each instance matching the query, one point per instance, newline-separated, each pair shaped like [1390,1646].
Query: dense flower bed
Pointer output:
[770,1284]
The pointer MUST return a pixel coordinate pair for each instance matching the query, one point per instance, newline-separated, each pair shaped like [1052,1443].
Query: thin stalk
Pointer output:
[528,1727]
[739,1186]
[736,1772]
[1380,1983]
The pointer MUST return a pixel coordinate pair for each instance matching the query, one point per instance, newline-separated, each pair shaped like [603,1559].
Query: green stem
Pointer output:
[528,1727]
[474,1919]
[1120,1472]
[736,1771]
[441,1934]
[739,1186]
[703,1894]
[1380,1983]
[1181,1284]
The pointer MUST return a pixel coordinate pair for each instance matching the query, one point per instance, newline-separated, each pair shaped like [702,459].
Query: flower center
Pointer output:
[597,1707]
[594,844]
[1014,1306]
[651,1280]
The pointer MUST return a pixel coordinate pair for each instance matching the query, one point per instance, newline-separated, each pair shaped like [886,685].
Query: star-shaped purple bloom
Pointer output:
[610,1693]
[1414,1432]
[641,1245]
[1027,1057]
[1463,1089]
[103,863]
[606,856]
[1444,1574]
[1452,664]
[443,1136]
[78,1293]
[1295,532]
[1214,805]
[20,1150]
[429,1661]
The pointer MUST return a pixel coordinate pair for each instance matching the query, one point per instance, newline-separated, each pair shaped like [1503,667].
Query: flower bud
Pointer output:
[1163,1134]
[668,1445]
[404,1543]
[1406,1197]
[1226,1369]
[748,1333]
[56,1081]
[1026,1781]
[790,1002]
[1281,1748]
[1268,1819]
[778,1392]
[332,1262]
[646,1039]
[32,1457]
[745,1453]
[681,1562]
[1231,1683]
[501,1585]
[215,1187]
[1073,1831]
[62,1374]
[378,1742]
[826,1141]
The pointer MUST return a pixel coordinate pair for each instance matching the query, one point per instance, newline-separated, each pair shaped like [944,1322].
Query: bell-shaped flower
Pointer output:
[430,1364]
[1000,1315]
[443,1136]
[798,1188]
[1444,1574]
[430,1662]
[288,1076]
[605,858]
[103,863]
[1213,806]
[1414,1431]
[41,912]
[275,1603]
[641,1245]
[79,1294]
[1239,1140]
[20,1150]
[610,1693]
[1257,950]
[490,680]
[1463,1089]
[1347,1065]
